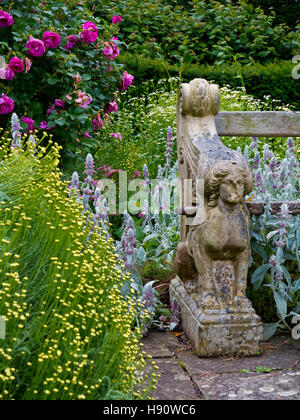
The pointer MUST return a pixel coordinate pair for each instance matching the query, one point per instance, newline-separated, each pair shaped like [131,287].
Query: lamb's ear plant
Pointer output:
[276,238]
[69,331]
[161,229]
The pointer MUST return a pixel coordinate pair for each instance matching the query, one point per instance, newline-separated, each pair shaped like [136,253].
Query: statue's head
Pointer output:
[229,181]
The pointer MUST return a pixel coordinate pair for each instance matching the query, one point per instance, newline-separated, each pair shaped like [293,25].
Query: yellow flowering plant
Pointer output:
[69,331]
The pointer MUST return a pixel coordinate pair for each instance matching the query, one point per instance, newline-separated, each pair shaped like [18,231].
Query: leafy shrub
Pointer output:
[288,14]
[202,31]
[273,79]
[242,31]
[69,330]
[67,79]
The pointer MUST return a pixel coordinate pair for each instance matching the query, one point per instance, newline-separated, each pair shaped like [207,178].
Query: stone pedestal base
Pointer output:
[217,333]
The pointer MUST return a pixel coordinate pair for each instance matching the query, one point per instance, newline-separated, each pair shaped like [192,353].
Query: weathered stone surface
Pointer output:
[159,344]
[277,358]
[270,386]
[285,342]
[214,253]
[174,384]
[258,123]
[217,333]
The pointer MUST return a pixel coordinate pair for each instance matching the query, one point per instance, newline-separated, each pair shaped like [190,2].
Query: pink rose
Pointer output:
[2,73]
[9,74]
[108,51]
[97,123]
[35,47]
[86,134]
[6,19]
[112,107]
[116,19]
[77,79]
[16,64]
[137,174]
[126,80]
[116,135]
[6,104]
[44,126]
[111,51]
[51,39]
[89,33]
[108,170]
[30,123]
[60,103]
[83,100]
[71,42]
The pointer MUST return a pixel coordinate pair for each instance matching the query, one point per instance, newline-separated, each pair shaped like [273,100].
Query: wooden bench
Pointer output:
[256,124]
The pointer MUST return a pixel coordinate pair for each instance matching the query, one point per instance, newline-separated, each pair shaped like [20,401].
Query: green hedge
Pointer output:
[273,79]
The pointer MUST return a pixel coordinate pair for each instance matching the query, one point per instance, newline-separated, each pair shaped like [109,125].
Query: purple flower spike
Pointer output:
[89,165]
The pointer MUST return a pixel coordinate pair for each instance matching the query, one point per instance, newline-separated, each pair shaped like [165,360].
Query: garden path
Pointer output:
[275,375]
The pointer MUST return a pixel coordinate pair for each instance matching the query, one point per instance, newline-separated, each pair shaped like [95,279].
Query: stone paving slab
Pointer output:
[174,384]
[185,376]
[286,341]
[272,386]
[158,344]
[276,358]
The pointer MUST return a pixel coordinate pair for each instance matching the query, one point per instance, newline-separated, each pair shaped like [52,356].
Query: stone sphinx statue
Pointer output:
[214,253]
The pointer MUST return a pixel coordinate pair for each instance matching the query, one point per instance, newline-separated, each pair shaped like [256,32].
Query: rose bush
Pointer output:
[58,69]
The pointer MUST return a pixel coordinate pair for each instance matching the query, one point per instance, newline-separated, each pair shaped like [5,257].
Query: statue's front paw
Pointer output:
[241,301]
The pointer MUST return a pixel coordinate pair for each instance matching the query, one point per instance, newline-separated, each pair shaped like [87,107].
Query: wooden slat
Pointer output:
[259,124]
[257,208]
[254,207]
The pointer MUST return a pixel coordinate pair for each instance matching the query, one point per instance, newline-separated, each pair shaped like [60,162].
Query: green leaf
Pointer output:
[258,275]
[51,124]
[288,255]
[258,249]
[296,286]
[255,235]
[269,330]
[60,122]
[281,304]
[52,81]
[150,237]
[139,233]
[245,371]
[263,369]
[286,275]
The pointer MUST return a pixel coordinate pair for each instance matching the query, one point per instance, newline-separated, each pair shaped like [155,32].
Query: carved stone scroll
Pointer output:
[213,255]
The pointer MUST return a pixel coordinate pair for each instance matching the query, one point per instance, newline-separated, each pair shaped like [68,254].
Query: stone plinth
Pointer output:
[216,333]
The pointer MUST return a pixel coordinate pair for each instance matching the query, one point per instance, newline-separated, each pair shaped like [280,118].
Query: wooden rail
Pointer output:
[260,123]
[254,207]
